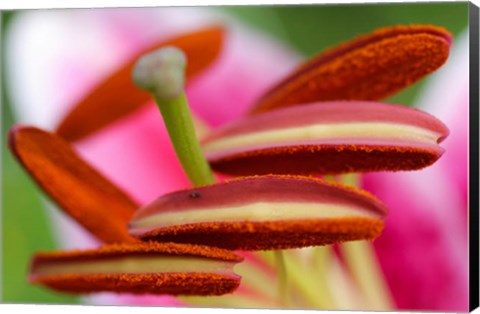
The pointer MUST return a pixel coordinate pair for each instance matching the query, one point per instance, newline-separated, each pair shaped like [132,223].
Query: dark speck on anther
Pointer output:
[195,195]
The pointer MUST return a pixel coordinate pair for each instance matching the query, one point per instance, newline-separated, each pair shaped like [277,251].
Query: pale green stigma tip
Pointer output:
[161,72]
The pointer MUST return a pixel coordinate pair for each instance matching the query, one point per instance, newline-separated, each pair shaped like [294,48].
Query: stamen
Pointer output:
[327,138]
[262,213]
[80,190]
[159,268]
[371,67]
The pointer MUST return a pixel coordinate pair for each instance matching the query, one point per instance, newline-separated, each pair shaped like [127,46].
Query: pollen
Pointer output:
[371,67]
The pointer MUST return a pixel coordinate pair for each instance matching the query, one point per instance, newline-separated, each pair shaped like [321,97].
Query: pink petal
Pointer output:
[424,248]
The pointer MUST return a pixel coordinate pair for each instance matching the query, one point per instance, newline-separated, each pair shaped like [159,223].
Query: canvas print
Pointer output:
[282,157]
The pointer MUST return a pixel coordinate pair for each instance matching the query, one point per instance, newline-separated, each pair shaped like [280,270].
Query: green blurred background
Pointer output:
[25,228]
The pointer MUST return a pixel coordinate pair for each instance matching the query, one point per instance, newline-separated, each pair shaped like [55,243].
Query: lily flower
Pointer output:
[439,132]
[163,268]
[331,214]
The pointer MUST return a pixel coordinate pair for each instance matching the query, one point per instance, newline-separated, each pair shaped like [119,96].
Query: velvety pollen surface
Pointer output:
[370,67]
[137,268]
[363,219]
[326,159]
[80,190]
[117,96]
[273,235]
[327,138]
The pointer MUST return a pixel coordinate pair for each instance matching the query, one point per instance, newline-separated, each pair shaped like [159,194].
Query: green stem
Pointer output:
[322,256]
[257,279]
[303,281]
[283,295]
[178,120]
[361,259]
[311,287]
